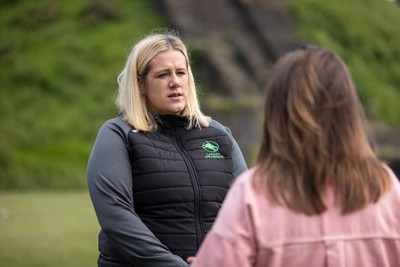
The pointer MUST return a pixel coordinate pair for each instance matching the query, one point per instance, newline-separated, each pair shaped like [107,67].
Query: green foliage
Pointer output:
[47,229]
[365,34]
[59,61]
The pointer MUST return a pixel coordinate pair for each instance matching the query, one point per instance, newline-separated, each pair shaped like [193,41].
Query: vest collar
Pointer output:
[168,121]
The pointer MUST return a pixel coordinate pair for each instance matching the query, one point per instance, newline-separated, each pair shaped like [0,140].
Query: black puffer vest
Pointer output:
[180,178]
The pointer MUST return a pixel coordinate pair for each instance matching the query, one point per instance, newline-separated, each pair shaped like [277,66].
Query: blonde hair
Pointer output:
[314,136]
[130,100]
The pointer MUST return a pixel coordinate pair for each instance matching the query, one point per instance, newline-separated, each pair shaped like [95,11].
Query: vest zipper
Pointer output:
[195,183]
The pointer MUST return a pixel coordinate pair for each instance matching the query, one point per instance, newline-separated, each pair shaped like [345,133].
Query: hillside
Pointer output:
[59,61]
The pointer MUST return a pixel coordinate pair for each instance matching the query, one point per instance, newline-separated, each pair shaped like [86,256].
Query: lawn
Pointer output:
[43,229]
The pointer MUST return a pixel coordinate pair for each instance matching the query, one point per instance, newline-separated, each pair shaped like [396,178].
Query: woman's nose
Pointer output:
[174,84]
[175,81]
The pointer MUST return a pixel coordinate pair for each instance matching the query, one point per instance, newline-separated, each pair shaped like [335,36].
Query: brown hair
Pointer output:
[314,136]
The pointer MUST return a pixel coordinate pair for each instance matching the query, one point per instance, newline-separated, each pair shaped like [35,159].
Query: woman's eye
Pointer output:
[162,75]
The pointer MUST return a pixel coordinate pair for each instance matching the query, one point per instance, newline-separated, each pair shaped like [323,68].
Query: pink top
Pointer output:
[251,231]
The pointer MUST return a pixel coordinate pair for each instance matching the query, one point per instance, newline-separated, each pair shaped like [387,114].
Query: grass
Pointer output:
[47,229]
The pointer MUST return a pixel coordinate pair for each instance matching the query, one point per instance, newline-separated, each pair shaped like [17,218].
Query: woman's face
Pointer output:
[167,83]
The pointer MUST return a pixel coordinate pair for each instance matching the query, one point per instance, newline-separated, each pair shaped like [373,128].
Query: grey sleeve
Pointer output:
[109,178]
[239,164]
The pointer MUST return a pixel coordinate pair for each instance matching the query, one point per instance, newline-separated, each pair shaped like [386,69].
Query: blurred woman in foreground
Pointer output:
[318,195]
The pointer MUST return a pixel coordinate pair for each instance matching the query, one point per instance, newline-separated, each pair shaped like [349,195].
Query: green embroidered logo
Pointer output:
[212,150]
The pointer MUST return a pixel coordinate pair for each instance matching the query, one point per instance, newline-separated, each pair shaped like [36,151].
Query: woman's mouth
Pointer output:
[175,96]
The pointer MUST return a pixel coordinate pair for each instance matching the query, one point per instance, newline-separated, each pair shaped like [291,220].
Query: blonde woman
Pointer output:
[317,196]
[159,172]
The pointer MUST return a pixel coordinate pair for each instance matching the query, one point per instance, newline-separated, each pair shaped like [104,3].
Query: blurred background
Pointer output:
[59,61]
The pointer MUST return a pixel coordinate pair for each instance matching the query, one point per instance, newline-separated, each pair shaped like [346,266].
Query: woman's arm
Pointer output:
[109,178]
[239,164]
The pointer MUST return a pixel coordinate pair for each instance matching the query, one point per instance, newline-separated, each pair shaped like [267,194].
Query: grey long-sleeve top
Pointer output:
[109,175]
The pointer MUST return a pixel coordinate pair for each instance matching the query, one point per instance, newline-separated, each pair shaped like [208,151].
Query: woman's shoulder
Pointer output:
[216,124]
[246,179]
[117,123]
[114,127]
[395,189]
